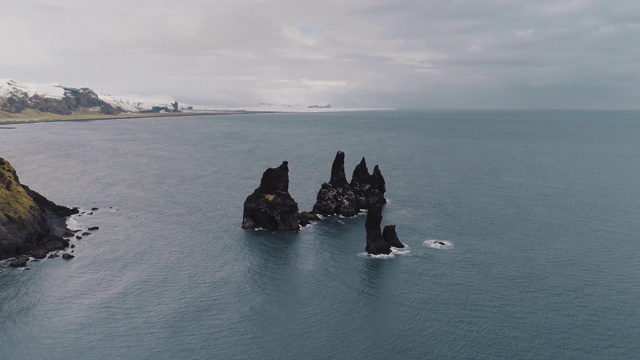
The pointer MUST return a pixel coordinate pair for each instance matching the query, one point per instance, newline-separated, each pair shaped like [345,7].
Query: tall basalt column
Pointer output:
[375,242]
[338,176]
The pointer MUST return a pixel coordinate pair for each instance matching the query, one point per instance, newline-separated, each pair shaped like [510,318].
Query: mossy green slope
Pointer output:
[27,218]
[15,202]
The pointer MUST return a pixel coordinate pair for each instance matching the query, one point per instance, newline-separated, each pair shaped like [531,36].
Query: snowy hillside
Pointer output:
[16,97]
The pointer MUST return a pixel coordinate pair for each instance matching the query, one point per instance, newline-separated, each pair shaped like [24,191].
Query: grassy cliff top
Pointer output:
[15,203]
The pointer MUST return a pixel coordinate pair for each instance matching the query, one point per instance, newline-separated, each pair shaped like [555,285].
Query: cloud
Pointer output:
[431,54]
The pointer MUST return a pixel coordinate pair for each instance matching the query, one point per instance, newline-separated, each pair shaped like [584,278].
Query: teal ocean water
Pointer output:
[542,210]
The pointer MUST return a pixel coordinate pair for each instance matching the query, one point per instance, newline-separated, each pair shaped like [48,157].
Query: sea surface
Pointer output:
[539,212]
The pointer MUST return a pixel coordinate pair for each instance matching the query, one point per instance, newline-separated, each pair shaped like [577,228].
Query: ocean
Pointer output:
[539,211]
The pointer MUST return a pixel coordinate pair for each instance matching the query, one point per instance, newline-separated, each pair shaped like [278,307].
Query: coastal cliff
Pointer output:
[29,223]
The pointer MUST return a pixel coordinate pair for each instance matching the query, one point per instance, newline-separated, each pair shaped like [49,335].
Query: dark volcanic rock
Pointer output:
[390,237]
[67,256]
[307,217]
[339,197]
[375,242]
[338,177]
[39,253]
[93,228]
[368,188]
[271,206]
[20,261]
[28,221]
[336,197]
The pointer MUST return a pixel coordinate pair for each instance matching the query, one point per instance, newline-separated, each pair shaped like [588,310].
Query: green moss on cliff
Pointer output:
[15,203]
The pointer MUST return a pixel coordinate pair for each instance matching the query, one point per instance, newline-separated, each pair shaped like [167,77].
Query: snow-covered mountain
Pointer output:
[16,97]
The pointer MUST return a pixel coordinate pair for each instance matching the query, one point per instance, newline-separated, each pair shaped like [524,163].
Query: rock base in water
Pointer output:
[379,243]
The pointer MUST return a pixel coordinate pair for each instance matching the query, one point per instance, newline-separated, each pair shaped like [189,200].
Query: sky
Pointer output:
[435,54]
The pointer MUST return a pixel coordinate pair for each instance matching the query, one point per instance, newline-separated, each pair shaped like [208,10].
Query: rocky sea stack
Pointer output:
[339,197]
[380,243]
[30,225]
[271,206]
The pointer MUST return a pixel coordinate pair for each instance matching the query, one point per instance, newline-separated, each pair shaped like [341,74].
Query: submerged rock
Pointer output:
[271,206]
[29,222]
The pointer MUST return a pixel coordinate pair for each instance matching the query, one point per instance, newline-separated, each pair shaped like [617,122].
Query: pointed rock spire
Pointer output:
[338,177]
[360,173]
[275,179]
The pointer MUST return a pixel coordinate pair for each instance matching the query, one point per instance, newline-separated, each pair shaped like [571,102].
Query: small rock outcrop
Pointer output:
[271,206]
[379,243]
[306,217]
[30,224]
[339,197]
[390,237]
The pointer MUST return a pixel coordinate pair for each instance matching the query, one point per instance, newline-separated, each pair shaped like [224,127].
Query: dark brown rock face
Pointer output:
[341,198]
[271,206]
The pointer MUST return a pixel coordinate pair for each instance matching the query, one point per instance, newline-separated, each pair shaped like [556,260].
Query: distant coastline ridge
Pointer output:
[31,102]
[281,107]
[17,97]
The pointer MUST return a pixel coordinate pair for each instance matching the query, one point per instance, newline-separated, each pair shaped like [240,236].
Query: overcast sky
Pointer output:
[361,53]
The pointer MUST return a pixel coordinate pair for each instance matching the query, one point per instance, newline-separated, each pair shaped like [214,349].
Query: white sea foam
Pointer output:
[341,222]
[381,256]
[72,223]
[310,225]
[438,244]
[400,251]
[394,252]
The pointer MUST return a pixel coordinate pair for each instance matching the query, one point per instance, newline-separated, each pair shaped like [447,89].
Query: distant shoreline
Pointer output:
[38,117]
[60,118]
